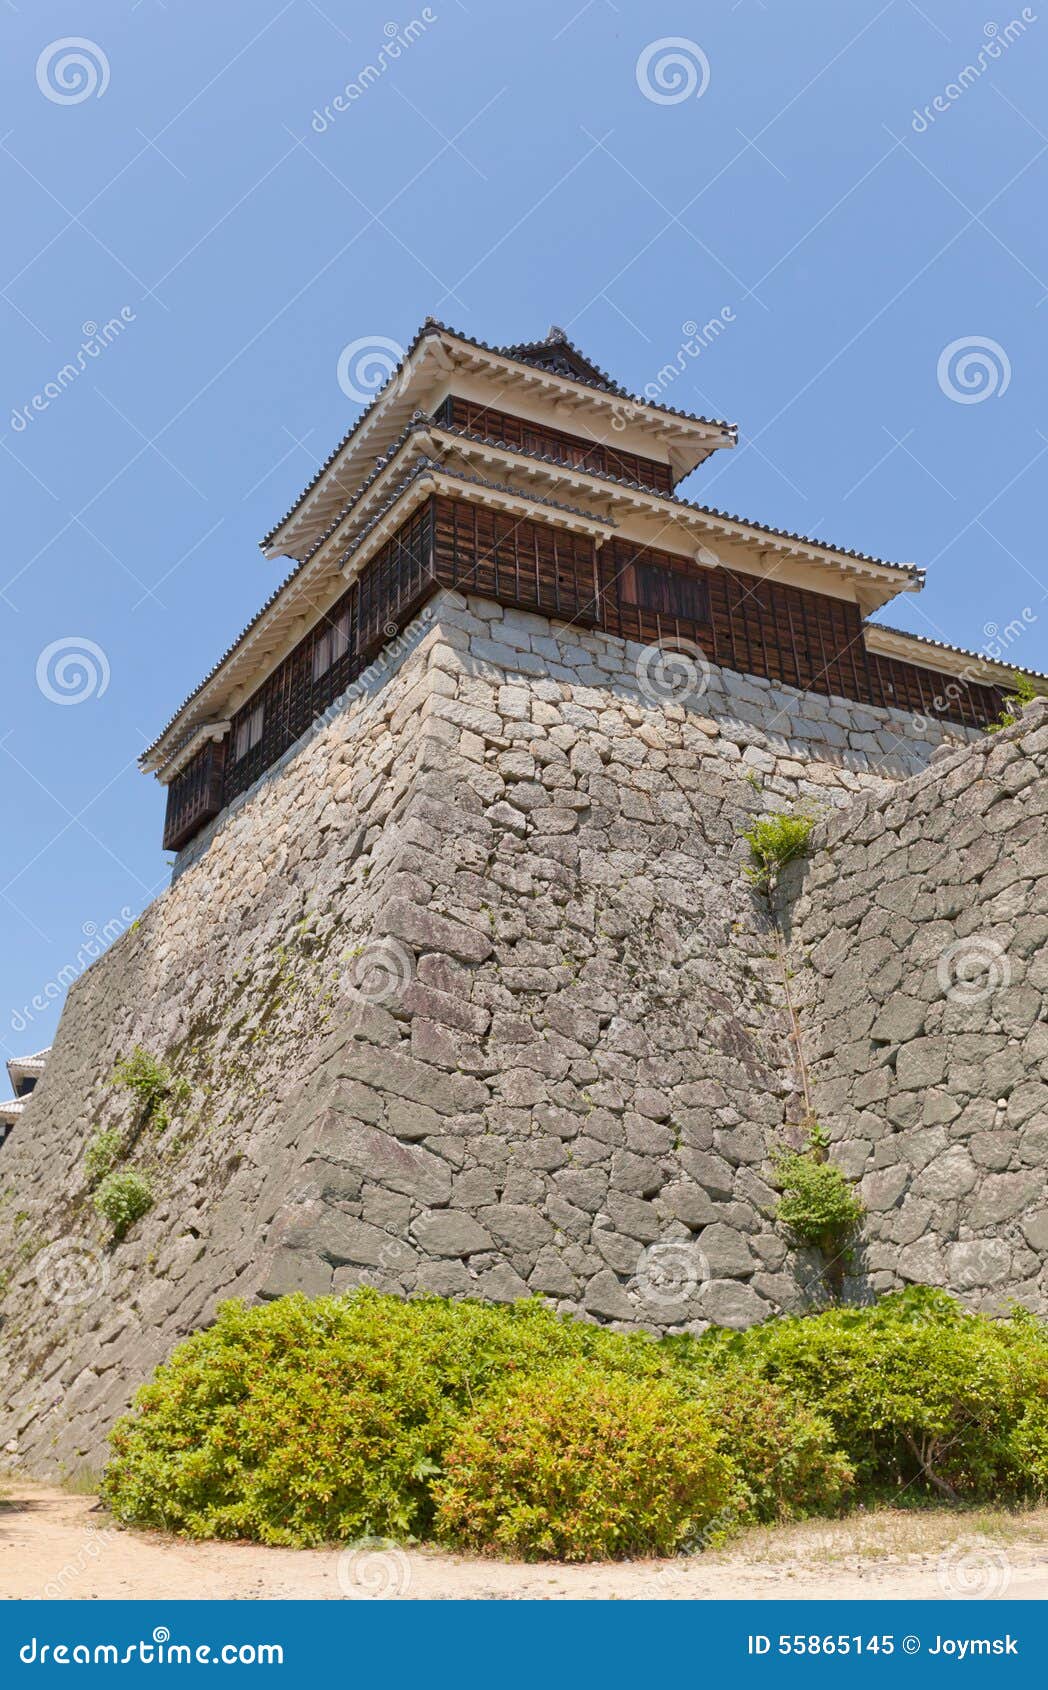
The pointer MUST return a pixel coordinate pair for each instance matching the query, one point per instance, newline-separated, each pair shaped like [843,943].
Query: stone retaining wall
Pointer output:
[923,914]
[470,994]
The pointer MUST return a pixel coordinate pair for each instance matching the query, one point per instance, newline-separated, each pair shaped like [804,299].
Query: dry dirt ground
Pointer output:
[53,1544]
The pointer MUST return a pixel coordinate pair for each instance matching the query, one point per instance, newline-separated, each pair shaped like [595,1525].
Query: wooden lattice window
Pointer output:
[331,644]
[249,732]
[670,592]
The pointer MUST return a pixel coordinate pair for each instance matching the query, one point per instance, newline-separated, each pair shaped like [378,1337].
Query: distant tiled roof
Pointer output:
[583,371]
[34,1064]
[28,1065]
[11,1108]
[958,650]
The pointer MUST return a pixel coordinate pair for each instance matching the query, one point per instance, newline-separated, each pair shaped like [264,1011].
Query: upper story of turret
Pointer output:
[526,474]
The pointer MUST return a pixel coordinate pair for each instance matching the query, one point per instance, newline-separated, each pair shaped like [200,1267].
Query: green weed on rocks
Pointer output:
[775,841]
[153,1084]
[122,1199]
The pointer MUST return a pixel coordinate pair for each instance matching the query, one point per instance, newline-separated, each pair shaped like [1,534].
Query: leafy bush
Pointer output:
[917,1390]
[122,1199]
[305,1421]
[818,1205]
[786,1458]
[583,1465]
[775,841]
[102,1153]
[310,1421]
[1023,692]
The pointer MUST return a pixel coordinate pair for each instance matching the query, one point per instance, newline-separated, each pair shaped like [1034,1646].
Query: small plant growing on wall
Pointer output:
[122,1199]
[153,1084]
[104,1149]
[775,841]
[818,1206]
[1023,692]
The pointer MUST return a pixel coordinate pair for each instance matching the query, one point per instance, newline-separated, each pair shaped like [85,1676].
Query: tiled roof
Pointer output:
[34,1064]
[423,466]
[526,353]
[958,650]
[421,424]
[640,487]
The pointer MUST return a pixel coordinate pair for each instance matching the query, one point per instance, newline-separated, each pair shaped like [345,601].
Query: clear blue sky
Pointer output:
[506,171]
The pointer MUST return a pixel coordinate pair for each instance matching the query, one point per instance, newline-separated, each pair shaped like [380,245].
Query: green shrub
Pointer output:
[1023,692]
[775,841]
[102,1153]
[311,1421]
[785,1455]
[918,1391]
[818,1205]
[122,1199]
[307,1421]
[583,1465]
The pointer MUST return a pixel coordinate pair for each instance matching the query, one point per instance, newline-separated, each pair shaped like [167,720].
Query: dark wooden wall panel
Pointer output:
[194,797]
[754,625]
[508,430]
[533,565]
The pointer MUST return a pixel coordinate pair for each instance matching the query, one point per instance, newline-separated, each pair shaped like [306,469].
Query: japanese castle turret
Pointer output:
[23,1072]
[527,476]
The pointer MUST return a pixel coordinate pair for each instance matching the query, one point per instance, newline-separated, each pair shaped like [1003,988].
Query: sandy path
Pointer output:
[56,1545]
